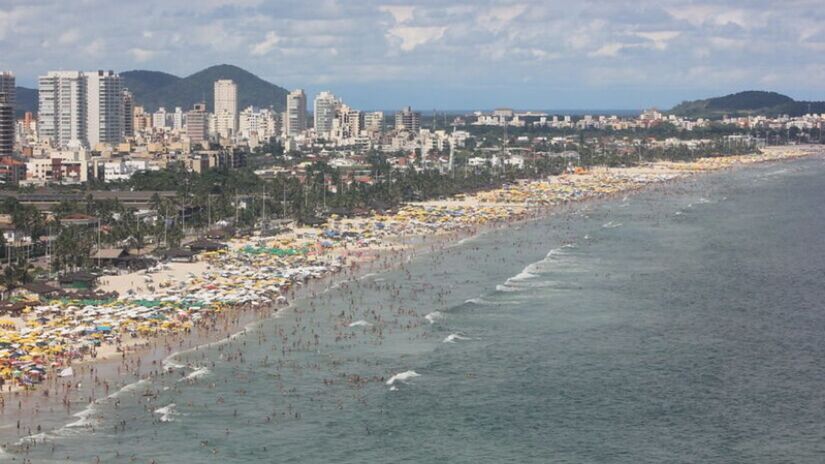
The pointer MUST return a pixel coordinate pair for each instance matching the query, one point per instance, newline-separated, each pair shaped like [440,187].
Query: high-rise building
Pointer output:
[296,113]
[374,121]
[324,113]
[104,108]
[7,87]
[6,126]
[408,120]
[61,118]
[159,118]
[177,119]
[128,114]
[348,123]
[197,124]
[226,107]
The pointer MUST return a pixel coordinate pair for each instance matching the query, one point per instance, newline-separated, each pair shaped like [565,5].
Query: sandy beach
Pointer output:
[220,293]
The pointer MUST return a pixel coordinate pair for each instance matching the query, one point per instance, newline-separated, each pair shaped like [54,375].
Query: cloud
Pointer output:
[587,52]
[400,13]
[496,19]
[266,45]
[608,50]
[412,37]
[659,38]
[69,37]
[142,55]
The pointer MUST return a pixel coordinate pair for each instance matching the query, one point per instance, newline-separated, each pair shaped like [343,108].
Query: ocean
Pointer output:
[680,324]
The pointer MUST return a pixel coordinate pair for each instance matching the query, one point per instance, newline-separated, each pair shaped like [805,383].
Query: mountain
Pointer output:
[146,82]
[153,89]
[746,103]
[26,101]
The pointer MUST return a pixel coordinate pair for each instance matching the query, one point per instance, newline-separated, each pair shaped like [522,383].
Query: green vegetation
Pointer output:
[751,102]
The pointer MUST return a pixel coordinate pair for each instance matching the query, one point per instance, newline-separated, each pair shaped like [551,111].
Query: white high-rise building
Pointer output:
[226,107]
[374,121]
[159,118]
[104,108]
[324,112]
[296,113]
[177,119]
[61,116]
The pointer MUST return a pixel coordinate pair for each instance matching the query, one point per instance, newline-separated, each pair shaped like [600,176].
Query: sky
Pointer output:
[441,54]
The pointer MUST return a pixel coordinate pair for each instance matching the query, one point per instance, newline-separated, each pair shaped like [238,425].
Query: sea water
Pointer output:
[681,324]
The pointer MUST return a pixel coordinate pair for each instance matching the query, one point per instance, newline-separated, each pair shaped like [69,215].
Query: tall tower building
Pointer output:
[61,117]
[197,124]
[7,87]
[128,114]
[6,126]
[296,113]
[104,110]
[408,120]
[324,112]
[226,107]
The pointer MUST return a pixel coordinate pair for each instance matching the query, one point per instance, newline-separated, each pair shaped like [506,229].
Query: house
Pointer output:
[39,290]
[78,219]
[222,233]
[179,255]
[202,245]
[111,257]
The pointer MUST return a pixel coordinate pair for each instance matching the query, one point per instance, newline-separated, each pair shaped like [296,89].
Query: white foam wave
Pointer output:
[361,323]
[169,364]
[508,289]
[523,275]
[167,413]
[403,377]
[196,374]
[453,337]
[433,317]
[85,418]
[555,252]
[611,225]
[129,387]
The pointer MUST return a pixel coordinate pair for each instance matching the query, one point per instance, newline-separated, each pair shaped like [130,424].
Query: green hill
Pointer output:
[153,89]
[26,100]
[146,82]
[746,103]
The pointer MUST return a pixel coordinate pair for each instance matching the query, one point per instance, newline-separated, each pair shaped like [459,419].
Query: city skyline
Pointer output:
[458,56]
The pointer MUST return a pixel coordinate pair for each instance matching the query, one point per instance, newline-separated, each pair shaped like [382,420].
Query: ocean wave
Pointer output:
[169,364]
[403,377]
[508,288]
[196,374]
[434,316]
[611,225]
[555,252]
[361,323]
[85,418]
[167,413]
[523,275]
[453,337]
[128,387]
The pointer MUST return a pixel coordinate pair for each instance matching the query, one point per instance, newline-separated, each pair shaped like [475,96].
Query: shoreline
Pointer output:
[145,362]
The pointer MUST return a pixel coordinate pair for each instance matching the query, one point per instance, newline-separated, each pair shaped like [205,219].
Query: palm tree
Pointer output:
[16,274]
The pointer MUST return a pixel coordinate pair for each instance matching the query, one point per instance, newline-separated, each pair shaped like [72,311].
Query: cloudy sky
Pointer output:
[445,54]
